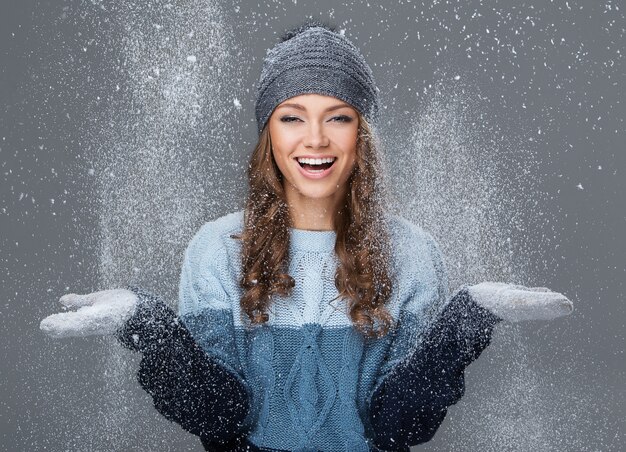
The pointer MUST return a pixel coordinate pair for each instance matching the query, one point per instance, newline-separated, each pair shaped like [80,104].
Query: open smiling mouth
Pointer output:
[316,166]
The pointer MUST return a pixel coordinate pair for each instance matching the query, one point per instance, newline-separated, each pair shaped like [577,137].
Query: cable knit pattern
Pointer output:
[311,381]
[348,379]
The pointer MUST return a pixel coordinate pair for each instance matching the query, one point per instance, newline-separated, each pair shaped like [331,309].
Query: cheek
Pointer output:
[348,140]
[277,152]
[349,147]
[350,167]
[280,161]
[282,145]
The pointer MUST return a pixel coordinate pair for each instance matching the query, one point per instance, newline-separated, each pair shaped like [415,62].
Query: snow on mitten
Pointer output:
[515,303]
[97,313]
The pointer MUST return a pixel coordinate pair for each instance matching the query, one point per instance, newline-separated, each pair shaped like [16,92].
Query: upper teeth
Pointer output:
[316,161]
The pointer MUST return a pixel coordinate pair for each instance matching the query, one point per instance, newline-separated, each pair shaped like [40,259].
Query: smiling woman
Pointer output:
[314,319]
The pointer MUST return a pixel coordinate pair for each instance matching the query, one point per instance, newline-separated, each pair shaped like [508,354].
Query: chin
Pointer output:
[318,192]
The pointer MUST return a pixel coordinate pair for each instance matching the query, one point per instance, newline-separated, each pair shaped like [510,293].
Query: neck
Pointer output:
[314,214]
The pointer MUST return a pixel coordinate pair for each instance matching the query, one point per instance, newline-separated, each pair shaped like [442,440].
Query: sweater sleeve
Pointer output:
[411,397]
[205,303]
[188,367]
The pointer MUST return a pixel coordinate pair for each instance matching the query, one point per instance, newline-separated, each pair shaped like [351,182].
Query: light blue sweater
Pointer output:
[306,380]
[310,375]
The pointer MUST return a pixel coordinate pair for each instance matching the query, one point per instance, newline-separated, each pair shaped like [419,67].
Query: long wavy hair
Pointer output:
[363,277]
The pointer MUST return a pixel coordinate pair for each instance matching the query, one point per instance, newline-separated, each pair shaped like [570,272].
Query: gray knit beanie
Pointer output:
[314,59]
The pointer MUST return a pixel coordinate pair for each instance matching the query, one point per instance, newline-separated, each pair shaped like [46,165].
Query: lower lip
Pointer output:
[319,175]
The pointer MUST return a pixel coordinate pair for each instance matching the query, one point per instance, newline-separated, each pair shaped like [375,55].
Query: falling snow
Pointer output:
[130,124]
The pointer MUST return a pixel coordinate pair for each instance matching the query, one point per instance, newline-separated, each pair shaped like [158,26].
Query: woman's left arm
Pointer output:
[410,404]
[412,401]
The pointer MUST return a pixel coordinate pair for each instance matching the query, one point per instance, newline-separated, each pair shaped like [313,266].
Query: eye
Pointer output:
[343,118]
[289,119]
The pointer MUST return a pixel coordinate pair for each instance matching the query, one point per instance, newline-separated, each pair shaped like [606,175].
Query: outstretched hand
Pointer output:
[515,303]
[98,313]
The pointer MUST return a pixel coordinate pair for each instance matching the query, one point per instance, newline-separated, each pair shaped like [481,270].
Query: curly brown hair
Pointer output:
[363,276]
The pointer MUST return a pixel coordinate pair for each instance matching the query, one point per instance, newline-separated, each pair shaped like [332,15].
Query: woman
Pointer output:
[313,319]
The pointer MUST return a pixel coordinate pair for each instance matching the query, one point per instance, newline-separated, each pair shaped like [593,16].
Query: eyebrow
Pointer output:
[301,107]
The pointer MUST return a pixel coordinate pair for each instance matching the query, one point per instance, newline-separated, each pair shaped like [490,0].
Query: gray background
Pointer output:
[503,135]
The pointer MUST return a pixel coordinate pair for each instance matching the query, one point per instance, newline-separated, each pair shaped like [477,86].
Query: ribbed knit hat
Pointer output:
[314,59]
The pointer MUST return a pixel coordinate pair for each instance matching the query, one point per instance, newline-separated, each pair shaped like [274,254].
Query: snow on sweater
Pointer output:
[307,380]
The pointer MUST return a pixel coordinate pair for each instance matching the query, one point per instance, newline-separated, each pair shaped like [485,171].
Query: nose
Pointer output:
[315,136]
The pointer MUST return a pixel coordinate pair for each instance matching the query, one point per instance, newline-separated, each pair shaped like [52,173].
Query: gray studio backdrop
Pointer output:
[126,125]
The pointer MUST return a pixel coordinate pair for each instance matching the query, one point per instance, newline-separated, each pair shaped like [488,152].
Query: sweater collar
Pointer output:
[306,240]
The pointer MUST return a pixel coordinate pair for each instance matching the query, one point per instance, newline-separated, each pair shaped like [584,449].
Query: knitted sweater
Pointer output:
[307,380]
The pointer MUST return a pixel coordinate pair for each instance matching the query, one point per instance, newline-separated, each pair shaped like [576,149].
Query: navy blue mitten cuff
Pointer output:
[152,322]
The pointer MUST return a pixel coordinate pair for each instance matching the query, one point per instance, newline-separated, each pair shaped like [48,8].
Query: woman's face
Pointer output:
[314,126]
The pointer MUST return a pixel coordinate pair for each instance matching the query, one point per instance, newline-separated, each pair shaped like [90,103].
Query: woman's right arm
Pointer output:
[189,363]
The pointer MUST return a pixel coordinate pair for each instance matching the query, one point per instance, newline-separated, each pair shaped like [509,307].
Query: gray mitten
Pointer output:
[515,303]
[98,313]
